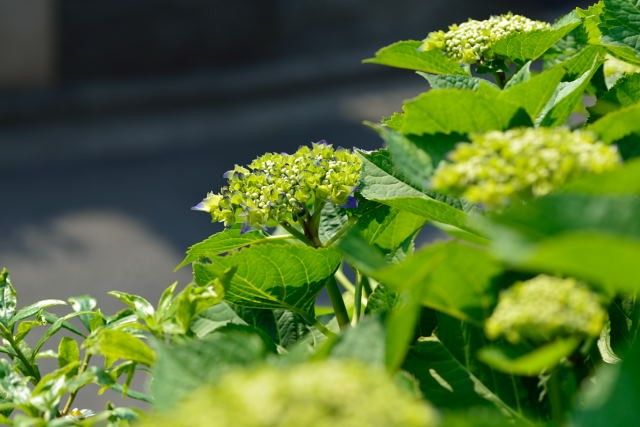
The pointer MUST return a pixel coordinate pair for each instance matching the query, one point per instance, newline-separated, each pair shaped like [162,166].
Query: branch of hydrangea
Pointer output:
[357,304]
[296,233]
[337,302]
[83,367]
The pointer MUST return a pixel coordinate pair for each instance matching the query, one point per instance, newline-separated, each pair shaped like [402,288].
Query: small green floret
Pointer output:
[471,41]
[282,188]
[496,166]
[544,308]
[325,394]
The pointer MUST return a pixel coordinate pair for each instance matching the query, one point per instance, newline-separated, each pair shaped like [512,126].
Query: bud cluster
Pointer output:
[544,308]
[471,41]
[278,188]
[324,394]
[496,166]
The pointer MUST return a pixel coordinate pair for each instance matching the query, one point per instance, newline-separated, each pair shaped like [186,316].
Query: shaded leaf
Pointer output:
[532,363]
[405,54]
[181,368]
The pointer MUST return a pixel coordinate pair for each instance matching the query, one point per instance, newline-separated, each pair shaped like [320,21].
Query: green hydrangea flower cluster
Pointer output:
[544,308]
[471,41]
[497,166]
[324,394]
[278,188]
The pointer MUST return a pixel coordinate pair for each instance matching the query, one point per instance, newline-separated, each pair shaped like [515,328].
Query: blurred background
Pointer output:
[117,116]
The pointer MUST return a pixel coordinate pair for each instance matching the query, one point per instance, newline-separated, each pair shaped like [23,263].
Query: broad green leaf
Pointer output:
[565,99]
[25,327]
[612,397]
[381,186]
[409,160]
[291,327]
[8,297]
[625,92]
[530,364]
[116,344]
[447,383]
[401,324]
[220,243]
[274,275]
[214,318]
[406,54]
[556,214]
[618,124]
[381,301]
[620,28]
[35,308]
[622,181]
[360,253]
[333,220]
[533,94]
[532,45]
[68,352]
[456,111]
[364,343]
[181,368]
[451,277]
[608,260]
[386,227]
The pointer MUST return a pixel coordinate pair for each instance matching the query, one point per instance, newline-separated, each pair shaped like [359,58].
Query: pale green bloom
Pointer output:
[326,394]
[471,41]
[278,188]
[497,166]
[614,69]
[544,308]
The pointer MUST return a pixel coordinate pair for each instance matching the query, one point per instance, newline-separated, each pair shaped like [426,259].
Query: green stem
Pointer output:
[338,303]
[294,231]
[357,304]
[344,281]
[555,399]
[72,396]
[30,367]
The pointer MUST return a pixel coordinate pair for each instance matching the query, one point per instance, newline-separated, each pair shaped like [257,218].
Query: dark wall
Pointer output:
[129,38]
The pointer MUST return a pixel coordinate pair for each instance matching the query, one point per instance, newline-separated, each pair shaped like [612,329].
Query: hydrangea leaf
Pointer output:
[381,186]
[447,382]
[625,92]
[612,397]
[387,227]
[531,363]
[620,27]
[567,96]
[405,54]
[569,233]
[222,242]
[272,275]
[618,124]
[439,111]
[451,277]
[183,367]
[531,45]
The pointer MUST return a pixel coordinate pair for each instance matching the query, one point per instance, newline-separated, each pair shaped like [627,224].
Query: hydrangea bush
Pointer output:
[479,269]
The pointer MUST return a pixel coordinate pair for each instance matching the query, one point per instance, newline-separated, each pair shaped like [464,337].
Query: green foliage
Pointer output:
[479,269]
